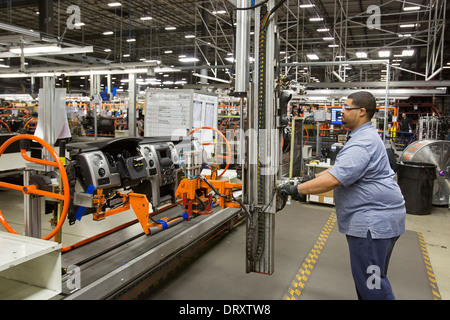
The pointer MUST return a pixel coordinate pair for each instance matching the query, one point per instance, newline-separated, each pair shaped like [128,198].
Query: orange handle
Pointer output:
[32,189]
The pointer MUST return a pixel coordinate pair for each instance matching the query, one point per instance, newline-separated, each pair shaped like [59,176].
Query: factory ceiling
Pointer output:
[96,35]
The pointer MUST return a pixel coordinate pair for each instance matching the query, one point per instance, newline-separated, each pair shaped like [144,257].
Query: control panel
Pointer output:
[108,164]
[96,171]
[162,160]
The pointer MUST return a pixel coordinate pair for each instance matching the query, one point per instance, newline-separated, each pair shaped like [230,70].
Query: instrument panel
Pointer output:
[114,163]
[162,161]
[149,166]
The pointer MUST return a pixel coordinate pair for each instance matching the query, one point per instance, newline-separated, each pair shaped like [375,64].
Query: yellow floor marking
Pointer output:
[308,264]
[426,259]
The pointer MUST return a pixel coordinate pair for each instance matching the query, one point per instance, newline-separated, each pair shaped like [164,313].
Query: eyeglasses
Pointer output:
[347,108]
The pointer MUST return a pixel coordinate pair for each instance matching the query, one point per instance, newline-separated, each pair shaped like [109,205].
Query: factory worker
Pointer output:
[370,207]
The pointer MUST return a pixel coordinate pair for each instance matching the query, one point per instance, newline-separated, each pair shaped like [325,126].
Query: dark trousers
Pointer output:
[369,259]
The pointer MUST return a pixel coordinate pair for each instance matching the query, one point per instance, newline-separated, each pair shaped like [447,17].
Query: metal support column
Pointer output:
[95,99]
[264,154]
[32,210]
[32,203]
[132,102]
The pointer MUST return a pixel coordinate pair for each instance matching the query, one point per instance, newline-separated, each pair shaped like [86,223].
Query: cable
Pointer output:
[254,6]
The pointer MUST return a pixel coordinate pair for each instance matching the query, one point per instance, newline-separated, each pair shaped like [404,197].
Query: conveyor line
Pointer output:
[104,274]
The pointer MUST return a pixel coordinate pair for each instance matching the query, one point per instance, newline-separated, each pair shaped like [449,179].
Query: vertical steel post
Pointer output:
[132,101]
[32,211]
[32,203]
[242,47]
[265,150]
[95,92]
[242,53]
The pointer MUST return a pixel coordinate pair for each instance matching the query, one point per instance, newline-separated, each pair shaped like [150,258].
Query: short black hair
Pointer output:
[366,100]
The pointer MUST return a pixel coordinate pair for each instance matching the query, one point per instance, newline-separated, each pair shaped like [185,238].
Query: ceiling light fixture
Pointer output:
[409,25]
[407,53]
[108,33]
[411,8]
[323,30]
[316,19]
[188,59]
[170,28]
[36,49]
[309,5]
[384,53]
[361,54]
[168,51]
[328,38]
[146,18]
[333,45]
[114,4]
[131,40]
[312,56]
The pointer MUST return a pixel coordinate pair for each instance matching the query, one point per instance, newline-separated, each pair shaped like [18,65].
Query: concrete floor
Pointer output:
[434,227]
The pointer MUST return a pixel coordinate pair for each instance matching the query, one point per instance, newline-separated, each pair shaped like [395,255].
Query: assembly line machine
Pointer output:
[158,179]
[177,206]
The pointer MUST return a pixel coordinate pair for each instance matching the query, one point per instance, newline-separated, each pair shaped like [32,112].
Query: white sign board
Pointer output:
[167,111]
[177,112]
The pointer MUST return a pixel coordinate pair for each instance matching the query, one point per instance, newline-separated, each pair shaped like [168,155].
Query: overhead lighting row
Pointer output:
[381,54]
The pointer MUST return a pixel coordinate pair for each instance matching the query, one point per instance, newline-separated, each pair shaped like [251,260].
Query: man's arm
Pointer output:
[323,172]
[323,182]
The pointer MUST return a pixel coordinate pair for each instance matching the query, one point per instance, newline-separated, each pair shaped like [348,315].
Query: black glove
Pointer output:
[288,190]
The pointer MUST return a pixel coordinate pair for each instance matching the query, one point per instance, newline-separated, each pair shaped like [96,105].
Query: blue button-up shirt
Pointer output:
[369,198]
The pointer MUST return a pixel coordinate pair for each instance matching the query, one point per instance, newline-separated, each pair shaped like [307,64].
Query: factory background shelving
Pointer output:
[416,107]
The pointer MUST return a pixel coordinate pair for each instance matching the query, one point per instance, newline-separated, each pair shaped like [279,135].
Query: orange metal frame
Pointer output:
[187,191]
[135,201]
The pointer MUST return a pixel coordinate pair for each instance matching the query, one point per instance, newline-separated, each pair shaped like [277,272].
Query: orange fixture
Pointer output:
[32,189]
